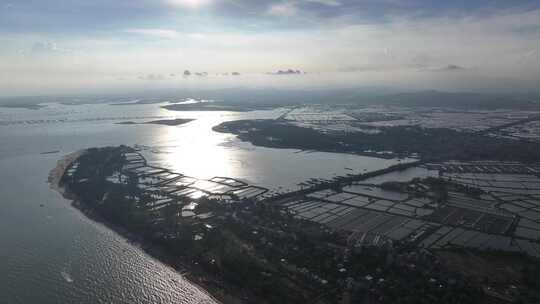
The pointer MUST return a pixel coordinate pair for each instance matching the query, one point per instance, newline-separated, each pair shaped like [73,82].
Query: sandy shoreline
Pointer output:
[55,175]
[155,251]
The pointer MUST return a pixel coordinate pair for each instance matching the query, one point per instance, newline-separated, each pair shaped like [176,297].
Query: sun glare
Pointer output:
[196,152]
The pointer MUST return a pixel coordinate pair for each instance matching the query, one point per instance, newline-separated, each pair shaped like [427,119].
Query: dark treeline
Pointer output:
[429,143]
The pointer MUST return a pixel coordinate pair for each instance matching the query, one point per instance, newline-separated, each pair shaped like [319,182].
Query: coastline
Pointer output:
[55,175]
[195,277]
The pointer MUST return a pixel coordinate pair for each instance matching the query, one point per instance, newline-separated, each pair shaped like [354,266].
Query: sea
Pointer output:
[51,253]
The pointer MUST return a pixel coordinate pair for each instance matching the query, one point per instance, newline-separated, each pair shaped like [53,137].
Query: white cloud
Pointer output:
[43,47]
[153,77]
[408,50]
[47,47]
[188,3]
[289,8]
[157,33]
[196,36]
[283,9]
[326,2]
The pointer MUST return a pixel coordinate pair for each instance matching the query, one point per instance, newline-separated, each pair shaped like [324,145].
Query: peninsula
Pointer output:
[311,245]
[385,142]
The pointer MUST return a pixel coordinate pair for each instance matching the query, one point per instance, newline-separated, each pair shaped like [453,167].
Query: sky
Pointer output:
[83,46]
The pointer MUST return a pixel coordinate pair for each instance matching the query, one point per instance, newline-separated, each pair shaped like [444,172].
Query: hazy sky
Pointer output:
[54,46]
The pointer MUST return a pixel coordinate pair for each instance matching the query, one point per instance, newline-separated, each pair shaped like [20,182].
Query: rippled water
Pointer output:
[50,253]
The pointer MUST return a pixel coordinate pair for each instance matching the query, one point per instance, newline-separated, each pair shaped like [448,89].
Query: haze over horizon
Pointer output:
[55,47]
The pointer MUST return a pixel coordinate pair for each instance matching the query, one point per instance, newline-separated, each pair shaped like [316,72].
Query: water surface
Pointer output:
[50,253]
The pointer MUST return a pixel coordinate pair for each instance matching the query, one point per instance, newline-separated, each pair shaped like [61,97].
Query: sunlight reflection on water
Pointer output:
[199,150]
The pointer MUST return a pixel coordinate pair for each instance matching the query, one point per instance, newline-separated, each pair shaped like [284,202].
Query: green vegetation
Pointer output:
[429,143]
[256,251]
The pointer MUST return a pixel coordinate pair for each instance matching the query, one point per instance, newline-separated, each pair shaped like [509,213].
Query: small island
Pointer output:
[27,106]
[164,122]
[205,106]
[219,106]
